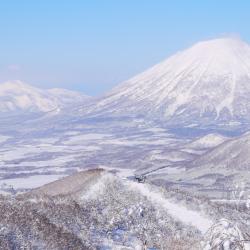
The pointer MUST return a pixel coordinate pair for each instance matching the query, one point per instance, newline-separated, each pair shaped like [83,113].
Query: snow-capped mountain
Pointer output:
[16,96]
[68,97]
[208,83]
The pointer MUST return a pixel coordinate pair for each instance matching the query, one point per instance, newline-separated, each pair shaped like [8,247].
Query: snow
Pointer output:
[67,95]
[211,77]
[10,153]
[136,141]
[31,181]
[208,141]
[55,163]
[85,137]
[224,233]
[4,138]
[178,211]
[170,170]
[120,172]
[2,192]
[247,246]
[18,96]
[98,187]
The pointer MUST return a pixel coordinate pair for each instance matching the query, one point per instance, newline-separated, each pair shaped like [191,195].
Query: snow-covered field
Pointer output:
[75,149]
[32,181]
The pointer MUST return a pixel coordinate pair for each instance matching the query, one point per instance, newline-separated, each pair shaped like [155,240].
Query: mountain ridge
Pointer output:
[17,96]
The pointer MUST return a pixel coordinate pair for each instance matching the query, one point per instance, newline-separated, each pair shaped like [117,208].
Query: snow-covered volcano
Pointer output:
[16,96]
[208,83]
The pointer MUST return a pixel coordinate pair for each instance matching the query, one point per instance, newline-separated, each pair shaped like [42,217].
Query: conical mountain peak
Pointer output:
[222,43]
[208,83]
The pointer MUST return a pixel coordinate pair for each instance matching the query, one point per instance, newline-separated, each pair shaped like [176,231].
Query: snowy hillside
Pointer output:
[16,96]
[233,154]
[99,209]
[207,141]
[68,97]
[216,172]
[208,83]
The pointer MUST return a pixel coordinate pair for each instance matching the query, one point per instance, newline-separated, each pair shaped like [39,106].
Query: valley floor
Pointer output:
[49,200]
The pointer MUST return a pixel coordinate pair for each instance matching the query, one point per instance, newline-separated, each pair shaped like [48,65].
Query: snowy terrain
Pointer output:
[16,96]
[208,141]
[103,209]
[204,86]
[166,154]
[68,151]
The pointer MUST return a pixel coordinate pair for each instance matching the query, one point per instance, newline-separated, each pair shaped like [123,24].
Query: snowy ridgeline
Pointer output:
[16,96]
[100,210]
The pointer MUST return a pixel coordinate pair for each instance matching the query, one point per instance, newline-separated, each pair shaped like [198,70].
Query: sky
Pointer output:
[93,45]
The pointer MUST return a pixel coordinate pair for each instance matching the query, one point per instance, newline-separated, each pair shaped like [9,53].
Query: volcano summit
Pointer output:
[205,85]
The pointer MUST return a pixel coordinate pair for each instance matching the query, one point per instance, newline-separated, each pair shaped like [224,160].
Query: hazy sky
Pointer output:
[92,45]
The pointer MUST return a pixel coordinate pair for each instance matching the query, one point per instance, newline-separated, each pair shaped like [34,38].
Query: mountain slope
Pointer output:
[233,154]
[68,97]
[207,141]
[208,83]
[16,96]
[110,211]
[219,171]
[106,213]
